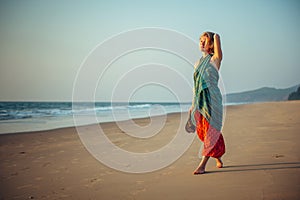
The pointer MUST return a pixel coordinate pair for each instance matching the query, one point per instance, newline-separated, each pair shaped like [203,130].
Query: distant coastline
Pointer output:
[265,94]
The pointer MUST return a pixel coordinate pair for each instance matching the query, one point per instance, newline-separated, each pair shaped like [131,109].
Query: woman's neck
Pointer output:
[204,53]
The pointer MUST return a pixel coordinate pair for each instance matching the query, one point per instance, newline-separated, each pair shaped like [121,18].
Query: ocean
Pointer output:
[35,116]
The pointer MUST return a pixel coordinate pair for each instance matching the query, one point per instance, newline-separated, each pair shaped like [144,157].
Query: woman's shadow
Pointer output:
[257,167]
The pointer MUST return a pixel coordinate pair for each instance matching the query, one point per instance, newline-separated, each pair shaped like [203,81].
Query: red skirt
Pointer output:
[213,141]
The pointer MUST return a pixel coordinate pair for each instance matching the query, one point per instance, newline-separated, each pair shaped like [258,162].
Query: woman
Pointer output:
[207,109]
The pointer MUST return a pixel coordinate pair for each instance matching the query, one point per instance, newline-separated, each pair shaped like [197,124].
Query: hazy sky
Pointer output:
[44,43]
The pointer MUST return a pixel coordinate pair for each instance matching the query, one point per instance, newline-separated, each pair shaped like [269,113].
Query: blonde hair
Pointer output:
[210,36]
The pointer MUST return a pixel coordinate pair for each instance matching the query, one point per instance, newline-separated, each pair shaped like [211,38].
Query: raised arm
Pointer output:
[217,57]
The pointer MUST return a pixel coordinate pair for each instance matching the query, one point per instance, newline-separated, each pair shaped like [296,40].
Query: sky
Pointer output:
[44,44]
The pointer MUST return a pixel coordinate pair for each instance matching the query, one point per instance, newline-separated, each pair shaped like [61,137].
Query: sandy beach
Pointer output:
[262,161]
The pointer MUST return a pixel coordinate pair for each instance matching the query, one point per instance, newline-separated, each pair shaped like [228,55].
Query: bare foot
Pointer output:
[219,163]
[199,170]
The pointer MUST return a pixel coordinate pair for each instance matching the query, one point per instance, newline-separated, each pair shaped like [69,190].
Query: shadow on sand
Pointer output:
[257,167]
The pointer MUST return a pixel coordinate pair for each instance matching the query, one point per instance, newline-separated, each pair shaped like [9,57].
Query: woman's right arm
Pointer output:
[192,106]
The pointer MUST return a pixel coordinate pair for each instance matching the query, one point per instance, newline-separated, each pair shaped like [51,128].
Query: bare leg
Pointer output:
[201,167]
[219,162]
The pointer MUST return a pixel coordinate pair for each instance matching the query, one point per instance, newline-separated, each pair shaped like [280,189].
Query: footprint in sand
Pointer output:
[278,156]
[95,180]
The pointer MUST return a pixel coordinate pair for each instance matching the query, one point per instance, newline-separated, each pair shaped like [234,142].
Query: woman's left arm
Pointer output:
[217,57]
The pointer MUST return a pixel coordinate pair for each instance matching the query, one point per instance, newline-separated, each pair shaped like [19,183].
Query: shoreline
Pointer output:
[261,161]
[19,124]
[91,124]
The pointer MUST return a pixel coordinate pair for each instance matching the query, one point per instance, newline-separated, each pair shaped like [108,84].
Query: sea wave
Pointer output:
[25,110]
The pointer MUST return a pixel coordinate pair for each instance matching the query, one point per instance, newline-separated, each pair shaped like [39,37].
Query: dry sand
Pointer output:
[262,161]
